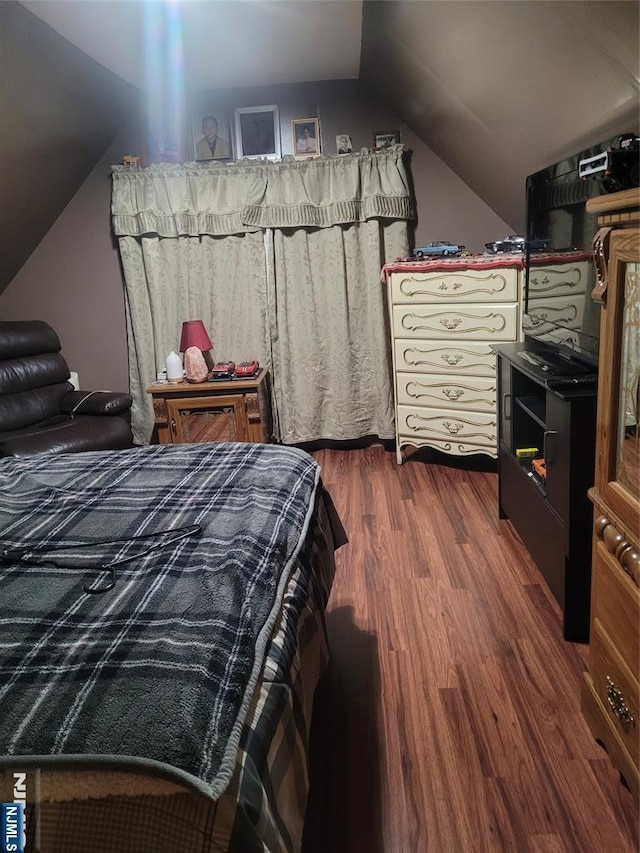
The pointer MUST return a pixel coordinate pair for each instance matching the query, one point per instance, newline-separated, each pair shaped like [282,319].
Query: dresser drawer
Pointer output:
[616,605]
[435,357]
[469,427]
[463,322]
[617,689]
[560,279]
[497,285]
[472,393]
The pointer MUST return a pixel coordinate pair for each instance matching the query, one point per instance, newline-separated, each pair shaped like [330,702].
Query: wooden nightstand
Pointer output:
[227,410]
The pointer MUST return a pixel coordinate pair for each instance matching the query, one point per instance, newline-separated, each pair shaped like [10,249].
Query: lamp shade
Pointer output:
[194,334]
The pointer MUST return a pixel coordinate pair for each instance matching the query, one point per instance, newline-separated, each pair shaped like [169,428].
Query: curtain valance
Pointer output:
[216,199]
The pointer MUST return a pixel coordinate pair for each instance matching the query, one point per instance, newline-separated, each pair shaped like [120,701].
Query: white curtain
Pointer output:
[219,280]
[282,263]
[331,355]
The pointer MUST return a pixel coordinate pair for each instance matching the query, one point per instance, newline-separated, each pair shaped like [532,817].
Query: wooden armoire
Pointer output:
[610,693]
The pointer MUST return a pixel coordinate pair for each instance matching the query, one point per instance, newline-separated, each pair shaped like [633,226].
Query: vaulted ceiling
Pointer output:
[495,89]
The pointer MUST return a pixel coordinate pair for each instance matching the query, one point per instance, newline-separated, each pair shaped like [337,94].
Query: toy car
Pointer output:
[440,248]
[247,368]
[223,370]
[515,243]
[540,467]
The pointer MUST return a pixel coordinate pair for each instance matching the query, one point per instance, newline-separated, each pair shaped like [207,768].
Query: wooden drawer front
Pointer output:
[468,358]
[423,389]
[468,427]
[464,322]
[618,691]
[500,285]
[616,602]
[560,279]
[453,446]
[562,311]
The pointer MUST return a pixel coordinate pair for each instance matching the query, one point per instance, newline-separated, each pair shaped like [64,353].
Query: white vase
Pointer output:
[174,368]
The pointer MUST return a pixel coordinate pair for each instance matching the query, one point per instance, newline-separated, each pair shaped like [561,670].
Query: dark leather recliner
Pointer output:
[40,412]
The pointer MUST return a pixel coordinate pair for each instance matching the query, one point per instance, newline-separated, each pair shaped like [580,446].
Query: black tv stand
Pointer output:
[548,416]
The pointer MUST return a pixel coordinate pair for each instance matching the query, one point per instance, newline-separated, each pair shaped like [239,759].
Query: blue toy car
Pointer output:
[441,248]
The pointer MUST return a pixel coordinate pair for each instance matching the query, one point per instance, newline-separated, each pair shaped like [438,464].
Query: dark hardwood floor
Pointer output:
[449,718]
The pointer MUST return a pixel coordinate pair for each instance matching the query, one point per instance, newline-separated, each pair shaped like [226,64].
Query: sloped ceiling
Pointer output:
[495,89]
[224,43]
[501,89]
[60,111]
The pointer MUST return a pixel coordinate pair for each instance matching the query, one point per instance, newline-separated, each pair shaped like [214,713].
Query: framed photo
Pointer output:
[305,133]
[211,137]
[343,144]
[385,139]
[258,132]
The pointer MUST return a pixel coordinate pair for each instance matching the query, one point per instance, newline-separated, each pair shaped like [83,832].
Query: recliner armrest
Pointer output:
[95,403]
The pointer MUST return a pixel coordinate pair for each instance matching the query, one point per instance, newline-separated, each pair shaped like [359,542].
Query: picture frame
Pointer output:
[344,145]
[211,135]
[385,139]
[305,138]
[257,132]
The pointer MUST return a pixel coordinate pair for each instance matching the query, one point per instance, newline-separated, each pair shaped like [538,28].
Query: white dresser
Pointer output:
[445,317]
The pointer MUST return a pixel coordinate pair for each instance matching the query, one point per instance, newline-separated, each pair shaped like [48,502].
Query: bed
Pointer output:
[161,637]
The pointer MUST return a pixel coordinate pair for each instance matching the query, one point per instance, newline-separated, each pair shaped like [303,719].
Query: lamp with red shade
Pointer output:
[194,334]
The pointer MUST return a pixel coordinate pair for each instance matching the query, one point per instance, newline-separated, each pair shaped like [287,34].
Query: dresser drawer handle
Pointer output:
[451,323]
[452,360]
[618,705]
[453,394]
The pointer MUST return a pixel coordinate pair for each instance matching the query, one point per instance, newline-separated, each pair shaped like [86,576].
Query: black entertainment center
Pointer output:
[542,420]
[547,385]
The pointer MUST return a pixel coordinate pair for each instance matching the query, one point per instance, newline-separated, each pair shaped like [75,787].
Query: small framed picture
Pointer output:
[385,139]
[257,132]
[305,134]
[343,144]
[211,137]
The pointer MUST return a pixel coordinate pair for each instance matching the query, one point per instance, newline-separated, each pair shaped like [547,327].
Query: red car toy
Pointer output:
[247,368]
[223,370]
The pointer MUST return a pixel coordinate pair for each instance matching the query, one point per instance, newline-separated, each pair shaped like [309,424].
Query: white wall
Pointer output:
[73,282]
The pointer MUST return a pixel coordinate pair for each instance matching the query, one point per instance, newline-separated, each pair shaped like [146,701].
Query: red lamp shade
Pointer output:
[194,334]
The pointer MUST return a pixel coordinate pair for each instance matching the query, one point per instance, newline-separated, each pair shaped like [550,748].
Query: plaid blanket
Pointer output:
[157,670]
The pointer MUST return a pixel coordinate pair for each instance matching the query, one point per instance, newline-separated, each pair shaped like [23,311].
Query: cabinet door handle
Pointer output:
[547,444]
[506,406]
[618,705]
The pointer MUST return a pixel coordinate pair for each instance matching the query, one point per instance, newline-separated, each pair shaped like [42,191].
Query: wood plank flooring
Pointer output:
[449,719]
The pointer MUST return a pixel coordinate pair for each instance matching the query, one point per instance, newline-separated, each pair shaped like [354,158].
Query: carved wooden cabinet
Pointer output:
[610,694]
[445,317]
[229,410]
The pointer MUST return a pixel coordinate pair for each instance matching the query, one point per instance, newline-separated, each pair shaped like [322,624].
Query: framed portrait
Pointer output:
[385,139]
[344,144]
[305,137]
[257,132]
[211,136]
